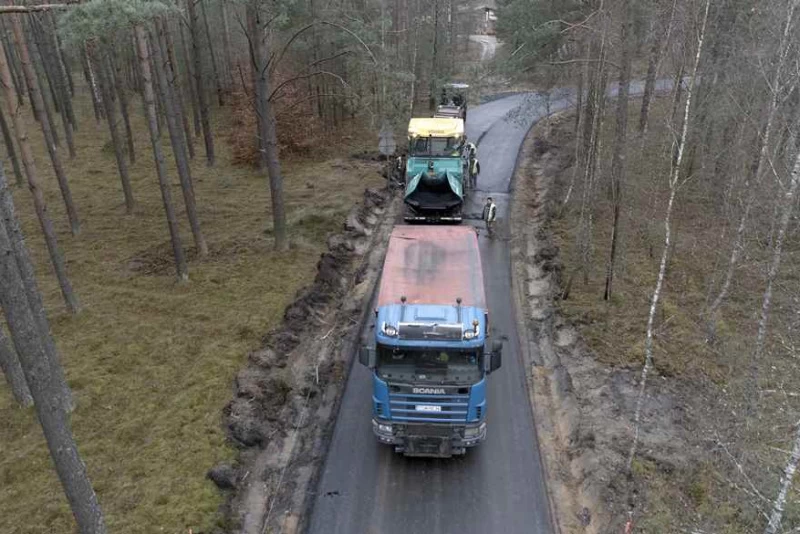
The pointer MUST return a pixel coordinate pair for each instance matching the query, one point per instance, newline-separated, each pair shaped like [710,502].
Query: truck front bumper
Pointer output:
[432,440]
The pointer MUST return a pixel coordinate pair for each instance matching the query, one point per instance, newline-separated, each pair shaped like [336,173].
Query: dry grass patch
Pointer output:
[151,361]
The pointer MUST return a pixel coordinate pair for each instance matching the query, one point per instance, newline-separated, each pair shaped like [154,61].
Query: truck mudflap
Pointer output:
[430,441]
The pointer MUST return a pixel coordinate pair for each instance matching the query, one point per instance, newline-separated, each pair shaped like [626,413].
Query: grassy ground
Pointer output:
[710,492]
[151,362]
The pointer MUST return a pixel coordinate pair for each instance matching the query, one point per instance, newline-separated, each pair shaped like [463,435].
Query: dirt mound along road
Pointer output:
[285,398]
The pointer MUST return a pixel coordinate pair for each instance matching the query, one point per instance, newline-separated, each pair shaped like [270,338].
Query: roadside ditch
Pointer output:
[286,398]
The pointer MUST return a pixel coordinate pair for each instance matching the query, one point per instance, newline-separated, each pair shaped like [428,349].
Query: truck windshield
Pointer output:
[450,366]
[435,146]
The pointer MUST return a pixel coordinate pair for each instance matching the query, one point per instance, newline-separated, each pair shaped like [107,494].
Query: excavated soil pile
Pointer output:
[286,398]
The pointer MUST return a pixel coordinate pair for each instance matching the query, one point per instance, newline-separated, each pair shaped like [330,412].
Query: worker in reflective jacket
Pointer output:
[490,215]
[473,166]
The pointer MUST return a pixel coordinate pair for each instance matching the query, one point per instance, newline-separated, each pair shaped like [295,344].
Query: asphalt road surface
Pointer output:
[497,487]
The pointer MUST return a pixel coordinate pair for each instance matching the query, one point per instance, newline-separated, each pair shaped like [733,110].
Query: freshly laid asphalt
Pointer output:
[497,487]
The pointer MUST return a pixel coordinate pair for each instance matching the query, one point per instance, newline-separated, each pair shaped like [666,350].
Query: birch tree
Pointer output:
[779,504]
[674,184]
[777,90]
[787,205]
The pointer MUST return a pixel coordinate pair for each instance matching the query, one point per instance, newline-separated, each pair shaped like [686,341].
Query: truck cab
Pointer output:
[429,359]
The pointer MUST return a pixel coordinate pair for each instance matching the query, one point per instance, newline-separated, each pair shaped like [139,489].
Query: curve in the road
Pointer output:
[499,486]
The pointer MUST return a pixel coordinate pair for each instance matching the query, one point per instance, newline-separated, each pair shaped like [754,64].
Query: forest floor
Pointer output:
[702,466]
[150,361]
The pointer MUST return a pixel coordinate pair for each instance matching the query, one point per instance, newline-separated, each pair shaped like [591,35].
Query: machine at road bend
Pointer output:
[435,170]
[453,101]
[429,360]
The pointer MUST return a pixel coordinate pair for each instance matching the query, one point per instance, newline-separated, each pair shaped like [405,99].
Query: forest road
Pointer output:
[499,486]
[488,45]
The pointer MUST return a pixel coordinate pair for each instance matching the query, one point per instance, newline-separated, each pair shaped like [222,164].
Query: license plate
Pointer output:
[428,408]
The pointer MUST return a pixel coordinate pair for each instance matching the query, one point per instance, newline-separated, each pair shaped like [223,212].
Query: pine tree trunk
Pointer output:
[30,345]
[435,56]
[107,92]
[42,68]
[158,154]
[620,143]
[45,109]
[90,81]
[116,72]
[166,82]
[57,84]
[177,85]
[62,60]
[26,270]
[10,150]
[190,83]
[15,376]
[19,85]
[20,130]
[413,88]
[47,130]
[212,56]
[62,73]
[202,97]
[257,59]
[267,130]
[226,47]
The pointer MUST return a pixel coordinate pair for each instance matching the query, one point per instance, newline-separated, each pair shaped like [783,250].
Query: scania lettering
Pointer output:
[429,360]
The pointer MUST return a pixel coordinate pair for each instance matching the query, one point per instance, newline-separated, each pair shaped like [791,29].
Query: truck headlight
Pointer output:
[383,428]
[472,334]
[389,330]
[472,432]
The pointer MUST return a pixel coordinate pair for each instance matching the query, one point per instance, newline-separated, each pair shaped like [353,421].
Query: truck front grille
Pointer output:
[429,431]
[410,407]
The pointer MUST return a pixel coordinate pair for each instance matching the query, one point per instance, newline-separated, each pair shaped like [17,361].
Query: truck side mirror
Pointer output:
[496,356]
[366,357]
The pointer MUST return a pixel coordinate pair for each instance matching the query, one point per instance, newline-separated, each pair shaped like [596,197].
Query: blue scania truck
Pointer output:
[429,360]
